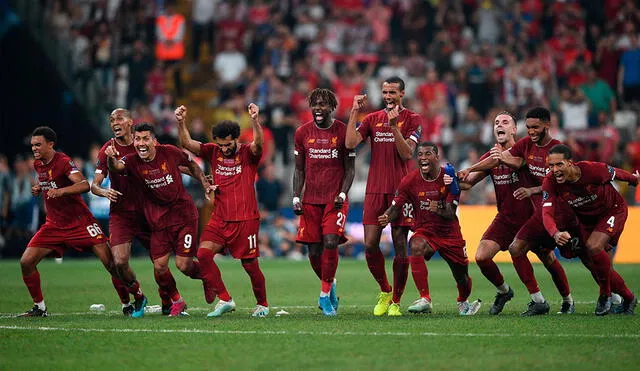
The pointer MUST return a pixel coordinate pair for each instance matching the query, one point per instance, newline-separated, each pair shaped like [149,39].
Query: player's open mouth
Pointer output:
[500,132]
[318,116]
[143,151]
[559,176]
[425,166]
[117,129]
[36,154]
[390,104]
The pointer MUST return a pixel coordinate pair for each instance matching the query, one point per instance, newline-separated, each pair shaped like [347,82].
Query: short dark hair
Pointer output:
[513,117]
[540,113]
[125,112]
[45,131]
[396,80]
[428,144]
[562,149]
[225,128]
[326,95]
[145,126]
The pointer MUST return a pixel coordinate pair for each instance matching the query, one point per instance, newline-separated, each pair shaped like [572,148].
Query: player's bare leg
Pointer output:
[548,258]
[463,281]
[103,252]
[121,254]
[258,284]
[212,279]
[375,262]
[487,250]
[518,250]
[328,299]
[167,283]
[31,277]
[400,268]
[420,251]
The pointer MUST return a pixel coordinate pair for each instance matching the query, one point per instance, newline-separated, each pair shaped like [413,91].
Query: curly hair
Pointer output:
[326,95]
[540,113]
[224,129]
[45,131]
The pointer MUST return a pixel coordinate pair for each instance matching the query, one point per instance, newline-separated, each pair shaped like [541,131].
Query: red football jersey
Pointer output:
[119,181]
[536,158]
[418,192]
[324,154]
[506,181]
[67,211]
[235,199]
[165,200]
[387,168]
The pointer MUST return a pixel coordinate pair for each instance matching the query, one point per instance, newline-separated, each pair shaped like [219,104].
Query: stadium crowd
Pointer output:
[463,61]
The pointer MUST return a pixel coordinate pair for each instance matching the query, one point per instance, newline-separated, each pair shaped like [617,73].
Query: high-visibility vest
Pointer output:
[169,27]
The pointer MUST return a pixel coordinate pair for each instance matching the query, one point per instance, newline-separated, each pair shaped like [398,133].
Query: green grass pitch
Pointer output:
[75,338]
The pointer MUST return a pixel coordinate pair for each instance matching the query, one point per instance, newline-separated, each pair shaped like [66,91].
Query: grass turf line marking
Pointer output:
[313,333]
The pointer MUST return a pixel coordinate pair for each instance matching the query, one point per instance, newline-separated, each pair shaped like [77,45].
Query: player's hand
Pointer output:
[55,193]
[111,151]
[463,174]
[496,153]
[112,194]
[35,189]
[447,179]
[637,174]
[254,111]
[181,113]
[393,115]
[383,220]
[562,238]
[359,101]
[297,206]
[522,193]
[434,206]
[212,188]
[339,200]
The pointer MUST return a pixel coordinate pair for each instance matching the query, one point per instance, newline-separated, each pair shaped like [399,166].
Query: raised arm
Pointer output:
[626,176]
[405,147]
[258,135]
[113,163]
[353,137]
[472,179]
[184,138]
[347,180]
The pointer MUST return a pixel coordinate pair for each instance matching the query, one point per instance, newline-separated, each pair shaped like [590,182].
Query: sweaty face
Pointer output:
[145,145]
[559,166]
[321,111]
[41,148]
[428,159]
[536,129]
[504,128]
[120,124]
[392,95]
[227,145]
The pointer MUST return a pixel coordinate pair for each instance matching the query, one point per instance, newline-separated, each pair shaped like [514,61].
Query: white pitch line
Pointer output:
[314,333]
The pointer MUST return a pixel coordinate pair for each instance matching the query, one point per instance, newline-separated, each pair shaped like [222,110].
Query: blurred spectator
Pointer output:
[5,196]
[170,35]
[269,189]
[229,65]
[202,26]
[139,64]
[165,119]
[629,75]
[575,110]
[23,204]
[600,95]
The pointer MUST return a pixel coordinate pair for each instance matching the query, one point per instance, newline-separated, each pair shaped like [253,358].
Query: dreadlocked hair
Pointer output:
[324,94]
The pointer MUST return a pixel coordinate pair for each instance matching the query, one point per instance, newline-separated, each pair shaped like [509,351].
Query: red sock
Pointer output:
[464,290]
[602,269]
[121,289]
[211,272]
[375,261]
[316,265]
[165,298]
[329,268]
[491,271]
[257,281]
[525,272]
[559,278]
[420,275]
[620,287]
[400,274]
[134,289]
[33,285]
[194,271]
[168,284]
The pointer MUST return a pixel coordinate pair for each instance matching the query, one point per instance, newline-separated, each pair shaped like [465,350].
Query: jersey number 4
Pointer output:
[611,221]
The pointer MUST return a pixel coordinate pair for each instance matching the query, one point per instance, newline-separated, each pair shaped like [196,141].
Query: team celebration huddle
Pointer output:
[545,201]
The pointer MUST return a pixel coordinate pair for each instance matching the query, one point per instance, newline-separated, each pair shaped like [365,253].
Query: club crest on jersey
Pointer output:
[400,124]
[443,189]
[530,157]
[50,173]
[334,141]
[164,167]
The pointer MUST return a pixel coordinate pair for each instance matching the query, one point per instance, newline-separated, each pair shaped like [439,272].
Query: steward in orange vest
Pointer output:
[170,29]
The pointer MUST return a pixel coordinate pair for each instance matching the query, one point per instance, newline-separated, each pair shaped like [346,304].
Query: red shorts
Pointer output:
[501,232]
[240,239]
[610,223]
[321,220]
[451,249]
[375,204]
[533,231]
[125,226]
[80,238]
[181,239]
